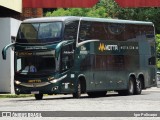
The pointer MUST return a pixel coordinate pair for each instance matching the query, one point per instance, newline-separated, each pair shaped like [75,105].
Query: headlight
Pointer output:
[50,78]
[17,82]
[53,81]
[59,79]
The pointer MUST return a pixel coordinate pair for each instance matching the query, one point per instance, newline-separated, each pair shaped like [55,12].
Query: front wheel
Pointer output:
[77,94]
[38,96]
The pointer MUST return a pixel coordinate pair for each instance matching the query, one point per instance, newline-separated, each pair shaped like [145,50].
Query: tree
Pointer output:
[99,10]
[110,9]
[158,49]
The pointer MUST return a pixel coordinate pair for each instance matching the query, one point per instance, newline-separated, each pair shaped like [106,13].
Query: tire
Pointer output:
[38,96]
[138,87]
[130,90]
[78,92]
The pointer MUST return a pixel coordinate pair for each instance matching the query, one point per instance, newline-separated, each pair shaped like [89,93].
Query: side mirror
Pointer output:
[4,51]
[13,39]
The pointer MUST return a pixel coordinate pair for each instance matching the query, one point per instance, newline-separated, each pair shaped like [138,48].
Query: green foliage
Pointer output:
[141,14]
[94,12]
[59,12]
[158,64]
[98,10]
[110,9]
[158,49]
[158,43]
[15,96]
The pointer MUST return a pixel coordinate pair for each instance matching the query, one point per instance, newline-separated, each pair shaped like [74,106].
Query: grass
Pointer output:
[15,96]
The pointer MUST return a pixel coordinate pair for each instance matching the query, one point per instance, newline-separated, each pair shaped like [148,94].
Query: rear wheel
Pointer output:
[77,94]
[138,87]
[130,90]
[38,96]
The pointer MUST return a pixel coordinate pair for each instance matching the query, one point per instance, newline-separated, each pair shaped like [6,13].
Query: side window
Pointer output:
[92,30]
[152,61]
[130,32]
[88,62]
[70,31]
[101,62]
[67,58]
[116,31]
[84,33]
[98,31]
[109,62]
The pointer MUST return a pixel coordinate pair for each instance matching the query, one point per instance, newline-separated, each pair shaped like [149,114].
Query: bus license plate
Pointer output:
[34,92]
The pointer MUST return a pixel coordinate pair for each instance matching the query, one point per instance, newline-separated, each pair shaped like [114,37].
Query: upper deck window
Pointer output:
[70,31]
[39,32]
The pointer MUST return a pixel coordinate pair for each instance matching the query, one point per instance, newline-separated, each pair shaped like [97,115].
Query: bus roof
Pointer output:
[49,19]
[70,18]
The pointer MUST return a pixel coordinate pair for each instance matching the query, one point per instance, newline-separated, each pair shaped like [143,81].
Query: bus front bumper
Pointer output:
[37,88]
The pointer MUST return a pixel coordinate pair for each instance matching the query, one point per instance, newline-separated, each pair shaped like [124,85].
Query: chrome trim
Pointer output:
[78,32]
[35,84]
[59,79]
[81,75]
[43,83]
[87,41]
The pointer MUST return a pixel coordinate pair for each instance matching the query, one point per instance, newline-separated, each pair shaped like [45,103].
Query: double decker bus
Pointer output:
[75,55]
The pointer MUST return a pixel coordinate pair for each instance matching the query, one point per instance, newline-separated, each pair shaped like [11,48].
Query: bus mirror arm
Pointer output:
[13,39]
[5,49]
[58,48]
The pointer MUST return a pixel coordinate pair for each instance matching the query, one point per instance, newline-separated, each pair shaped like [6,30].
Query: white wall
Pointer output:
[8,28]
[15,5]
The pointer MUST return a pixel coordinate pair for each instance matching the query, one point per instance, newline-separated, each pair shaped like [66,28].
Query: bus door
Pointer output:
[67,61]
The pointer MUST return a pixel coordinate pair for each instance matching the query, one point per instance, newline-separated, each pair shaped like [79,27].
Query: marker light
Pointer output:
[17,82]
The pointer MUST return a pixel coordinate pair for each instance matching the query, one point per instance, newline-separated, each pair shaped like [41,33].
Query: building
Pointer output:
[9,9]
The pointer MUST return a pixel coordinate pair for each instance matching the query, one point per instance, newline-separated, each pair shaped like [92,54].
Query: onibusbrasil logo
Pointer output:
[102,47]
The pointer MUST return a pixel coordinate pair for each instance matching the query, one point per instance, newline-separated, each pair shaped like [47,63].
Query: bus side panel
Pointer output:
[147,59]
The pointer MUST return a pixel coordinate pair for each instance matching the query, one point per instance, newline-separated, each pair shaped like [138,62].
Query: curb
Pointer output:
[153,89]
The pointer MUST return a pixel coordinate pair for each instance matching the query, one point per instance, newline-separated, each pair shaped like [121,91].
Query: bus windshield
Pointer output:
[39,32]
[38,63]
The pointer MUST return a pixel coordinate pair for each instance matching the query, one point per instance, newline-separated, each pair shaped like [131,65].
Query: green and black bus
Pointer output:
[75,55]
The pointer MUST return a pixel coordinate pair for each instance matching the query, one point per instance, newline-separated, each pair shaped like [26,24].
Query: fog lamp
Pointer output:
[17,82]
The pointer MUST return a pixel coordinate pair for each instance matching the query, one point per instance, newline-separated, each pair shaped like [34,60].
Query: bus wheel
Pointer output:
[138,87]
[77,94]
[130,90]
[38,96]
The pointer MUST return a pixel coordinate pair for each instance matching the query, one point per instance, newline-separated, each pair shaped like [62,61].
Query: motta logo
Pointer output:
[102,47]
